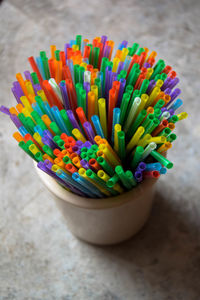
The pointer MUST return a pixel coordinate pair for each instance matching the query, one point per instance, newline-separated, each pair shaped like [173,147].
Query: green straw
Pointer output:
[122,176]
[134,48]
[41,124]
[78,41]
[140,50]
[154,123]
[35,115]
[144,86]
[121,144]
[173,119]
[136,123]
[34,78]
[147,121]
[172,137]
[137,156]
[112,181]
[123,107]
[165,132]
[23,146]
[81,72]
[164,161]
[96,56]
[83,100]
[48,151]
[157,112]
[66,120]
[39,101]
[159,104]
[129,89]
[67,160]
[105,165]
[76,73]
[57,54]
[38,156]
[94,148]
[97,82]
[98,180]
[131,179]
[55,128]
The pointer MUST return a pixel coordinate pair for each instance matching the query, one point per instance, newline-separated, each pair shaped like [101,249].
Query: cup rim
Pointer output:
[93,203]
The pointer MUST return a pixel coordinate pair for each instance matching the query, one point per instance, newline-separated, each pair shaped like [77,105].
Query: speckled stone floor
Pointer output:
[39,258]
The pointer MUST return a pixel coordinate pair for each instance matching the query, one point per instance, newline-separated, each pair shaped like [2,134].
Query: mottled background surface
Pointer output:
[39,257]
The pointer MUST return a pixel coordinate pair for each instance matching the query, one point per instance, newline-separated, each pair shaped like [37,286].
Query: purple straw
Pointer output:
[64,95]
[151,86]
[173,83]
[87,144]
[73,119]
[85,164]
[141,167]
[5,110]
[138,176]
[147,65]
[120,67]
[168,91]
[166,83]
[174,95]
[121,91]
[14,91]
[89,130]
[79,143]
[28,76]
[16,121]
[76,149]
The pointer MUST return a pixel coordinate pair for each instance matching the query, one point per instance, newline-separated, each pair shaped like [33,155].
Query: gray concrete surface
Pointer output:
[39,257]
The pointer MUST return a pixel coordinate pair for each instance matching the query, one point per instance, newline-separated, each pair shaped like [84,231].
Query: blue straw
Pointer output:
[116,120]
[48,111]
[153,166]
[22,130]
[176,104]
[68,179]
[97,125]
[163,170]
[36,107]
[86,184]
[38,129]
[59,119]
[40,67]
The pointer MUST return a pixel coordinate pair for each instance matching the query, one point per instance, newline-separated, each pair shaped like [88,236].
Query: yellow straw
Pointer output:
[102,115]
[124,54]
[38,139]
[94,89]
[42,95]
[158,139]
[182,116]
[145,140]
[116,144]
[133,142]
[26,103]
[149,73]
[153,95]
[78,135]
[116,61]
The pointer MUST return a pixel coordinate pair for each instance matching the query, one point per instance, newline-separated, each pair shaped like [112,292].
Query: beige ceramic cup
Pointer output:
[103,221]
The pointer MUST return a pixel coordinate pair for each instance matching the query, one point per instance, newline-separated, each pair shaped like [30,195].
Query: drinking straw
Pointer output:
[151,146]
[132,113]
[129,102]
[134,140]
[116,130]
[121,144]
[153,166]
[116,120]
[123,177]
[141,166]
[164,161]
[151,174]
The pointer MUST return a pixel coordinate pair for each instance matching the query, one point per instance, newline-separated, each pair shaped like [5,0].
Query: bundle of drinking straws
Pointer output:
[96,125]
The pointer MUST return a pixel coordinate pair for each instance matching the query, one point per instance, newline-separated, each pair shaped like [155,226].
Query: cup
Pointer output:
[103,221]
